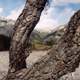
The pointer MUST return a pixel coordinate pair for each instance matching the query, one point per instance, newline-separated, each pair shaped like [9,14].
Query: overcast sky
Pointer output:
[58,13]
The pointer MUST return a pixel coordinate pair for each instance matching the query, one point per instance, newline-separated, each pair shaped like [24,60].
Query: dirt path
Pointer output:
[4,60]
[34,56]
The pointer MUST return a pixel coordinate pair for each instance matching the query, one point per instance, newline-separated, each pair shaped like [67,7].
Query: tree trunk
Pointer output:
[23,28]
[62,59]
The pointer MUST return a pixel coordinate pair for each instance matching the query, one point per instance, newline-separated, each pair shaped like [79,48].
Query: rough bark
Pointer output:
[23,28]
[62,59]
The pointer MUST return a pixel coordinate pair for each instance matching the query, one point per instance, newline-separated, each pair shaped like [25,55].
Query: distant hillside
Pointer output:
[53,37]
[38,40]
[6,31]
[4,21]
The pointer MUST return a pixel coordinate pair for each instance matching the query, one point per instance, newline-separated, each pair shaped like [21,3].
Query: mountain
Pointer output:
[4,21]
[6,31]
[39,40]
[53,37]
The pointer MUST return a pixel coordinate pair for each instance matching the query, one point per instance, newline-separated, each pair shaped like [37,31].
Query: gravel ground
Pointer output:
[34,56]
[4,60]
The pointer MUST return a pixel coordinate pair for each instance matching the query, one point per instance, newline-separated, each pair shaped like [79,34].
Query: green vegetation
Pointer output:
[44,40]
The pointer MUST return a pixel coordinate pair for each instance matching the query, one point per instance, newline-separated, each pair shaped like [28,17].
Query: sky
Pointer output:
[57,13]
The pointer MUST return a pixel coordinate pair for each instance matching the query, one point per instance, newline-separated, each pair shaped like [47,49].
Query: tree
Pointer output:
[60,60]
[23,28]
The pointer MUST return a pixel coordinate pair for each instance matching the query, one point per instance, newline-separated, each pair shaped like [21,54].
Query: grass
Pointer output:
[41,47]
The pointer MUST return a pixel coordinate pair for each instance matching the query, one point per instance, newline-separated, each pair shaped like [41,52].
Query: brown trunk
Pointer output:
[62,59]
[23,28]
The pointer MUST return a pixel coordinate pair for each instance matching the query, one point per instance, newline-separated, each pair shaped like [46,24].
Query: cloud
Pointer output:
[46,25]
[47,22]
[1,10]
[64,2]
[51,19]
[67,1]
[15,13]
[65,15]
